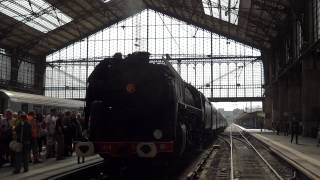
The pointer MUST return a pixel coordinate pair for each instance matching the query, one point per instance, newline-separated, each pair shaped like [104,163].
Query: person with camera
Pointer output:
[5,136]
[23,136]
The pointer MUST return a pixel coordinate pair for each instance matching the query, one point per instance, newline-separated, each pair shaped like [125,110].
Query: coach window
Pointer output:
[46,109]
[37,108]
[316,19]
[24,107]
[2,105]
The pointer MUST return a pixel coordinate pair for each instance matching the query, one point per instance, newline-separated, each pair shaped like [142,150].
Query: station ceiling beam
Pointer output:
[258,22]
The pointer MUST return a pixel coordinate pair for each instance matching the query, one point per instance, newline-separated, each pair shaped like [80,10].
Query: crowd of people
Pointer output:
[41,137]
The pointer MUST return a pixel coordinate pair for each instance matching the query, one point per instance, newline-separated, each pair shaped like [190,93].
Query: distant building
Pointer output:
[231,115]
[252,120]
[237,112]
[221,110]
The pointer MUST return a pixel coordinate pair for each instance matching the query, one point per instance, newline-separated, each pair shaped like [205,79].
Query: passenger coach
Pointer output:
[17,101]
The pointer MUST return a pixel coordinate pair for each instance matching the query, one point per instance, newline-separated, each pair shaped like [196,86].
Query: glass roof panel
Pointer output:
[234,19]
[53,20]
[26,6]
[105,1]
[206,10]
[37,14]
[59,16]
[235,3]
[41,3]
[224,3]
[10,13]
[17,9]
[34,25]
[224,15]
[216,12]
[45,23]
[227,8]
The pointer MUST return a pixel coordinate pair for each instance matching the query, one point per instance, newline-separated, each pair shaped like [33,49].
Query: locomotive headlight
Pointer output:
[157,134]
[131,88]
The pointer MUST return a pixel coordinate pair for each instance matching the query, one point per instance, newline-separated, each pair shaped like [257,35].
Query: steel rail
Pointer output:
[263,159]
[194,174]
[74,171]
[231,156]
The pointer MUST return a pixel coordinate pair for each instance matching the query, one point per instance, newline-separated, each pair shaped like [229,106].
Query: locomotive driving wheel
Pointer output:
[181,139]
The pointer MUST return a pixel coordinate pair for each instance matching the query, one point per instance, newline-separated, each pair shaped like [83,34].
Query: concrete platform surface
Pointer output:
[305,155]
[46,169]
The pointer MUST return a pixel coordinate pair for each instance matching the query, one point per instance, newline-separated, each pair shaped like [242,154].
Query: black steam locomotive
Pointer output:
[138,109]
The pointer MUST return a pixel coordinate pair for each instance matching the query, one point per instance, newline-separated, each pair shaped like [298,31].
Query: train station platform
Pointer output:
[304,156]
[47,169]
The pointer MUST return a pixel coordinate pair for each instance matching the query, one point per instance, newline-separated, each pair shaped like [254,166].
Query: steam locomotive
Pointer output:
[135,108]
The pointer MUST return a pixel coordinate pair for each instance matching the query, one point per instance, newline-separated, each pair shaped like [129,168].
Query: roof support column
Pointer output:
[294,94]
[310,95]
[268,60]
[275,105]
[267,109]
[279,105]
[14,69]
[39,75]
[283,104]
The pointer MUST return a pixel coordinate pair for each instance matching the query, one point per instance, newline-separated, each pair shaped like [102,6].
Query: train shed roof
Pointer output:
[40,27]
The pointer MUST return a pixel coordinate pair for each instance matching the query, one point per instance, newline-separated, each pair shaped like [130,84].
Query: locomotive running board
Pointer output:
[192,109]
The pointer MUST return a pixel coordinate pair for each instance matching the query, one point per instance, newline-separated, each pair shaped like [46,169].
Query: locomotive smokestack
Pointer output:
[117,56]
[139,57]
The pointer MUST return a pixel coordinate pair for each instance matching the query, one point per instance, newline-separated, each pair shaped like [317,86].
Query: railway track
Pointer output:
[190,167]
[220,167]
[248,163]
[234,155]
[84,172]
[241,157]
[280,164]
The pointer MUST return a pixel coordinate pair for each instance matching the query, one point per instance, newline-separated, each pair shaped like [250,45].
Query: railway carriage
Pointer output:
[17,101]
